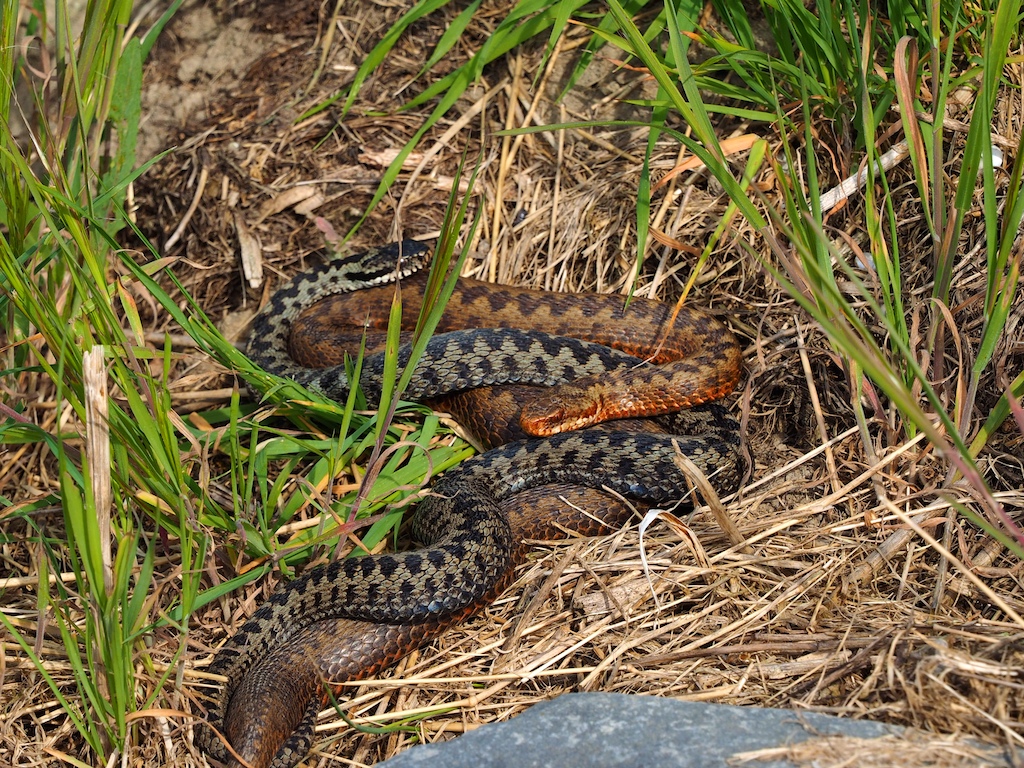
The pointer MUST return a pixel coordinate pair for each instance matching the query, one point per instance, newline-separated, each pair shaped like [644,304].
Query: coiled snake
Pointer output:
[355,616]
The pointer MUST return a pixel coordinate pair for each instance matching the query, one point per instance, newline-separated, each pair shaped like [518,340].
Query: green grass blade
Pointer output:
[451,36]
[375,57]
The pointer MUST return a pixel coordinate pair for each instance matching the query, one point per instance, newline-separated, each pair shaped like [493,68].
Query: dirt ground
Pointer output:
[831,603]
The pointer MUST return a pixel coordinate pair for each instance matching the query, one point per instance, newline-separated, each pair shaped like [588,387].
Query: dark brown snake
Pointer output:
[352,618]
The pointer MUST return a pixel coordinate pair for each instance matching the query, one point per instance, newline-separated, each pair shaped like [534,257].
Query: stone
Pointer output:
[607,730]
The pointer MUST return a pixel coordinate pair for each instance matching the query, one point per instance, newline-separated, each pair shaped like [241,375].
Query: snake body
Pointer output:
[355,616]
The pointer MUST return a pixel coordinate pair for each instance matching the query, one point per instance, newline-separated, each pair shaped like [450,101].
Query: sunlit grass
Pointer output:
[146,479]
[244,475]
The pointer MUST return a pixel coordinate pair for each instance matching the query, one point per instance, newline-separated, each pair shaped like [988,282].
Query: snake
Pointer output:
[570,393]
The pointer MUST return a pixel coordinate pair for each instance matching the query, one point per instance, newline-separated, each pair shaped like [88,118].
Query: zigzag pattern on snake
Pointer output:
[354,616]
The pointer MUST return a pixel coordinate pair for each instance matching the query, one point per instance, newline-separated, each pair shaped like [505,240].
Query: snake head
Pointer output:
[567,409]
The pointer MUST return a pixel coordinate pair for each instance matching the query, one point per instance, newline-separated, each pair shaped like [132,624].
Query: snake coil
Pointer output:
[351,618]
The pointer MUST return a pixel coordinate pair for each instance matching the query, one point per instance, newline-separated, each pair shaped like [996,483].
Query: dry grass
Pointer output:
[920,751]
[835,601]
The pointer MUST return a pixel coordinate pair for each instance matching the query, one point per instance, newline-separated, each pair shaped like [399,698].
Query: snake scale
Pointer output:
[511,364]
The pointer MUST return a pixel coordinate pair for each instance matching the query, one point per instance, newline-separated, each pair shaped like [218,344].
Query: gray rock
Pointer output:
[607,730]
